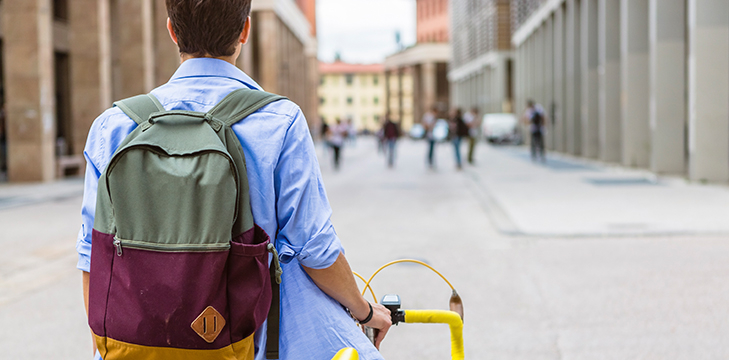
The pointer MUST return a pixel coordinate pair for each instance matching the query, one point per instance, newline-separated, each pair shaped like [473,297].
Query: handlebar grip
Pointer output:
[370,332]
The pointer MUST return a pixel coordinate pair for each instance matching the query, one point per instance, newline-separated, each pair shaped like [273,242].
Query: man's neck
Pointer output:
[229,59]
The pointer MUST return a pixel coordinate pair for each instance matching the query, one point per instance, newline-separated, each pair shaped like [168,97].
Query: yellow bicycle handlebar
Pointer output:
[441,317]
[425,317]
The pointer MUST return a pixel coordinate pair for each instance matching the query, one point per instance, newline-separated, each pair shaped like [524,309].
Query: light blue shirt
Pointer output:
[287,196]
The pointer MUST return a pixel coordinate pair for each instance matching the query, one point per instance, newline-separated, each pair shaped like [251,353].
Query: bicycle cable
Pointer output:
[367,282]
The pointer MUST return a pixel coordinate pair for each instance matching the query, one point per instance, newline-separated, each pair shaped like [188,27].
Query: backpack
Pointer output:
[179,270]
[537,119]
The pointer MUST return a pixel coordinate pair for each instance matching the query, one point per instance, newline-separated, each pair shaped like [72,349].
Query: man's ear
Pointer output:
[246,31]
[173,36]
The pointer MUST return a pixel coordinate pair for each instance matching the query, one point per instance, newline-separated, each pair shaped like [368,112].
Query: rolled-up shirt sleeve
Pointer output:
[88,209]
[105,135]
[305,229]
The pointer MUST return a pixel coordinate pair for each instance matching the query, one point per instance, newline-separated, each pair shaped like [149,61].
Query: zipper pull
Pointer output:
[117,243]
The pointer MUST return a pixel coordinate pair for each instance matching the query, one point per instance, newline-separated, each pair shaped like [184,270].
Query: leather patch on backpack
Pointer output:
[209,324]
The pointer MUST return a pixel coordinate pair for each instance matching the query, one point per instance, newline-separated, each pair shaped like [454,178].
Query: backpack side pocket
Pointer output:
[249,283]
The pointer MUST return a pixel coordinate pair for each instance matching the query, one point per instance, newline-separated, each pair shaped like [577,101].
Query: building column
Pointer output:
[166,52]
[667,63]
[573,100]
[29,89]
[430,84]
[589,65]
[529,79]
[133,47]
[420,106]
[560,110]
[400,96]
[634,83]
[519,72]
[538,94]
[90,93]
[269,47]
[708,74]
[548,66]
[388,92]
[609,80]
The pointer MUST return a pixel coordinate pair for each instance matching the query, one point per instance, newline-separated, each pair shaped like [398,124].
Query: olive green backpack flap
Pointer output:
[175,251]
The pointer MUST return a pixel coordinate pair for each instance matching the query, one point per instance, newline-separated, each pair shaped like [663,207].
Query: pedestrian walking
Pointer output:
[337,133]
[169,293]
[458,131]
[429,119]
[351,134]
[473,121]
[536,119]
[324,131]
[391,133]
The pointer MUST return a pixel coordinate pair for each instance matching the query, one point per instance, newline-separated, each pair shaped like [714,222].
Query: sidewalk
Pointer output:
[16,195]
[572,198]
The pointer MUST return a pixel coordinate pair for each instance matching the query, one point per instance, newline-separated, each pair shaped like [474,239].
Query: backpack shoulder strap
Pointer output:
[241,103]
[140,107]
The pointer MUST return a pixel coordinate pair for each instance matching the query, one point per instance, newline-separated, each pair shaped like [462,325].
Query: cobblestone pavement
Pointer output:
[567,260]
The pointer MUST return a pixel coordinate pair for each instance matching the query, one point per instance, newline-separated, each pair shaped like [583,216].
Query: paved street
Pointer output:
[563,260]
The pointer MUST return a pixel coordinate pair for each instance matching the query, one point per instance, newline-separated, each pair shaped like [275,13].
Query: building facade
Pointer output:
[417,77]
[432,22]
[352,92]
[64,62]
[643,83]
[481,72]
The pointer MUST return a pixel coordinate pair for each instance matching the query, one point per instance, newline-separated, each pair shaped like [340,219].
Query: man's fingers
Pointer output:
[380,336]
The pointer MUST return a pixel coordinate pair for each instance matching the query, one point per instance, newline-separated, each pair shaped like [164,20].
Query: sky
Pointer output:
[363,31]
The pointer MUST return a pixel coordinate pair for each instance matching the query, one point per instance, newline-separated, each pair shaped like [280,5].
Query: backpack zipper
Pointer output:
[140,245]
[117,243]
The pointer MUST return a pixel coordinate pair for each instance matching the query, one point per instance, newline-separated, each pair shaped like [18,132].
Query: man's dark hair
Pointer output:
[208,27]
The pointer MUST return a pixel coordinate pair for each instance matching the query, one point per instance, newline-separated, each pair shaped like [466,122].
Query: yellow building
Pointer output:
[352,91]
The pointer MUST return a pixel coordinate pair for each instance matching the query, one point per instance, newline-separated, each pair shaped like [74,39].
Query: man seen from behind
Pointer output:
[287,198]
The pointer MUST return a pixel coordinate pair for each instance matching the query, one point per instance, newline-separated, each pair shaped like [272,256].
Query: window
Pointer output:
[376,100]
[60,10]
[322,100]
[376,80]
[349,78]
[377,118]
[322,80]
[349,100]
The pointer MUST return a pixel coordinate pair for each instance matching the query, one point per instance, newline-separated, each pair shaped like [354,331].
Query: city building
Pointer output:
[64,62]
[417,77]
[643,83]
[481,71]
[352,92]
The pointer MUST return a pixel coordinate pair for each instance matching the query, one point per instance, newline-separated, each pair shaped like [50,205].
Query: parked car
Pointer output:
[501,128]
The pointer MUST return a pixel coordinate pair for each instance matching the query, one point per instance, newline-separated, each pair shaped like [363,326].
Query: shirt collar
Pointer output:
[209,67]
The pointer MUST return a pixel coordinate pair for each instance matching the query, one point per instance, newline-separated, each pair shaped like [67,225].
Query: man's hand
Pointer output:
[338,282]
[381,321]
